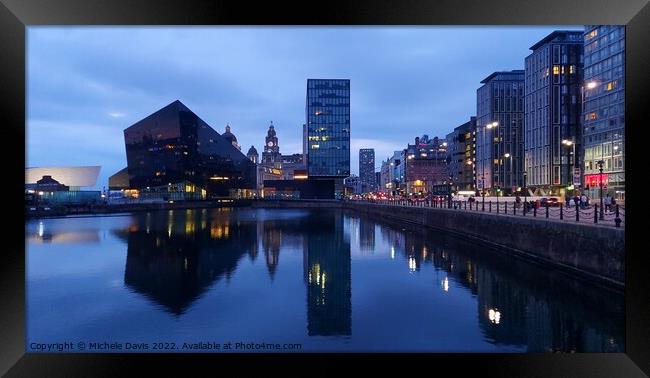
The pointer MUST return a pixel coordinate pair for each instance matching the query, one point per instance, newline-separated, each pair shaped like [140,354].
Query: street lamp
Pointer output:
[600,180]
[571,143]
[483,192]
[489,126]
[507,155]
[525,190]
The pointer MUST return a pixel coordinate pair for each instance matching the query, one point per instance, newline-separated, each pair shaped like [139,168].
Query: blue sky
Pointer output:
[87,84]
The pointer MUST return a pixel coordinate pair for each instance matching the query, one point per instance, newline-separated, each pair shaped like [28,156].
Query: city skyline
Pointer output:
[90,83]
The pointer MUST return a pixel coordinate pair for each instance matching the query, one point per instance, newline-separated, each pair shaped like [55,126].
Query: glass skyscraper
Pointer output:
[367,169]
[604,108]
[328,128]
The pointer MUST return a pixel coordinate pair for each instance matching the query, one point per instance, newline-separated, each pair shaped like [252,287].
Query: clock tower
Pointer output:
[271,154]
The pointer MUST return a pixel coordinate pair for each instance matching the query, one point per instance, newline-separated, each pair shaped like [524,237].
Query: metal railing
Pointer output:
[613,215]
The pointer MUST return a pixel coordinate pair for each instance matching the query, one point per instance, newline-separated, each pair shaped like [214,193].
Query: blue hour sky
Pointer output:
[87,84]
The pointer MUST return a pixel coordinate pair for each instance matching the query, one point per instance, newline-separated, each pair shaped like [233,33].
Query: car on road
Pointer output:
[550,201]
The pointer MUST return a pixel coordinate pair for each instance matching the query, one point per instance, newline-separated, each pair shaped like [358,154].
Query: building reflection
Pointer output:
[173,259]
[518,304]
[271,241]
[42,232]
[327,273]
[366,235]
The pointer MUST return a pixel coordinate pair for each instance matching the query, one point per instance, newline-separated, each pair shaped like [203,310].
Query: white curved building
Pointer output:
[74,177]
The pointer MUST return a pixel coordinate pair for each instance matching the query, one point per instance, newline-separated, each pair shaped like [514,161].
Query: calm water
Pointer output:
[328,280]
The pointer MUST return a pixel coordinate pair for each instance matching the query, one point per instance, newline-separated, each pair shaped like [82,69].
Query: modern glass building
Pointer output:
[553,111]
[604,109]
[173,150]
[367,169]
[327,115]
[499,128]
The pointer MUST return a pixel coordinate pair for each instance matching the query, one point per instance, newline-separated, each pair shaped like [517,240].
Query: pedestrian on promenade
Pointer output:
[576,200]
[608,202]
[583,201]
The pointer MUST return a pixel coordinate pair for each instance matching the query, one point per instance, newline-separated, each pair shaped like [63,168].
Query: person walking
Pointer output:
[608,202]
[583,201]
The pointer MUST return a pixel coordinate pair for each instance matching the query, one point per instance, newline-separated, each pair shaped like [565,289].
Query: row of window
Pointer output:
[591,166]
[594,66]
[327,83]
[604,76]
[603,48]
[508,89]
[322,94]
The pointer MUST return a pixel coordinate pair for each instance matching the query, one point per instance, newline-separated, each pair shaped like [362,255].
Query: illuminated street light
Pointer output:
[592,85]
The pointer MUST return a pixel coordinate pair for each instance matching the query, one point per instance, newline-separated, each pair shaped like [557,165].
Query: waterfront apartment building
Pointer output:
[604,109]
[552,112]
[367,169]
[327,115]
[461,156]
[499,132]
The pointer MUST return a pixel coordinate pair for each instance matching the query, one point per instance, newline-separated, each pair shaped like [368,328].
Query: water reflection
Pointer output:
[519,304]
[44,231]
[328,277]
[438,286]
[172,261]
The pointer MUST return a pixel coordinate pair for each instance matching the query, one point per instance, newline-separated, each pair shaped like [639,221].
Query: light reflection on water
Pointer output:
[332,281]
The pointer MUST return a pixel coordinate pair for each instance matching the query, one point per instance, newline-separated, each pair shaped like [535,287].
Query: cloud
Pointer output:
[87,84]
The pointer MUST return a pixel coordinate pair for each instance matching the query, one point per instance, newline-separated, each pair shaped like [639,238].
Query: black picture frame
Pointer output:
[16,15]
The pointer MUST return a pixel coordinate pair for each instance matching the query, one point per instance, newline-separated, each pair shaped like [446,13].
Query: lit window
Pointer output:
[315,146]
[572,69]
[591,35]
[556,70]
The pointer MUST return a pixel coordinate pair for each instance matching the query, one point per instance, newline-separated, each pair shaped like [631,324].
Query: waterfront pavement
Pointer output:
[587,216]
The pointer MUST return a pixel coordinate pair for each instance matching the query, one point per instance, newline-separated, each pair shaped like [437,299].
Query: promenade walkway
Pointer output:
[587,215]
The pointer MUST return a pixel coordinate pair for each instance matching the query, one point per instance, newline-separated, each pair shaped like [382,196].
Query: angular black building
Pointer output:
[174,151]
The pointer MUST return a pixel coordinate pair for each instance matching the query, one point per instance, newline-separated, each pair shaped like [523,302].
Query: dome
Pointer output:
[252,151]
[230,137]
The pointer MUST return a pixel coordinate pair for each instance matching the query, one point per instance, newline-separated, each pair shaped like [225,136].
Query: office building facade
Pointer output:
[552,112]
[604,109]
[327,114]
[499,129]
[461,156]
